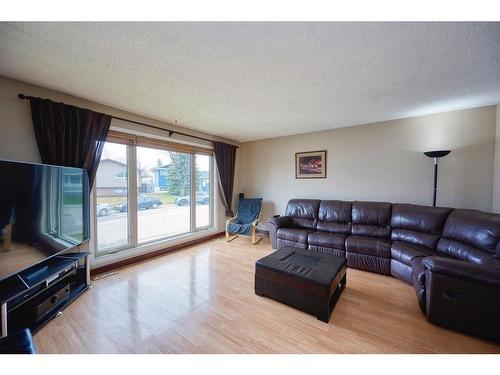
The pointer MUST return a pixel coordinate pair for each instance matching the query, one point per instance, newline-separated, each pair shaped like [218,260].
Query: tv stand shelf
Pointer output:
[50,268]
[30,298]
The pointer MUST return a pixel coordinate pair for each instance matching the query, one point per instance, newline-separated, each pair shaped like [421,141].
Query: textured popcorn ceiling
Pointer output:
[247,81]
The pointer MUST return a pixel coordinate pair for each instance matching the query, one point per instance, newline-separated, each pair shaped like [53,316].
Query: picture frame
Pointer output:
[310,164]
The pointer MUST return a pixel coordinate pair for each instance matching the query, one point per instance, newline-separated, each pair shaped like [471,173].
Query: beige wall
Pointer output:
[17,139]
[496,188]
[373,162]
[382,161]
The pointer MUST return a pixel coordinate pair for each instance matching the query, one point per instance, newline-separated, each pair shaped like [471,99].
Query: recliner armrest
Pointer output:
[462,270]
[280,221]
[275,223]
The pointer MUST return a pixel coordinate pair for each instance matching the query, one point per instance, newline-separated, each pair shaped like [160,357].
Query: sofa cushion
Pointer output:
[404,252]
[334,216]
[418,225]
[470,235]
[369,246]
[303,213]
[369,263]
[294,234]
[326,239]
[371,219]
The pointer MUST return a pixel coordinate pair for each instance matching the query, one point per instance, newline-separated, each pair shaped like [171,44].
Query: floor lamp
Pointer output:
[436,155]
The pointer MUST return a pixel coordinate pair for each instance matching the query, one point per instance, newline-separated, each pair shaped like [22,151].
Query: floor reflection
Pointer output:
[153,299]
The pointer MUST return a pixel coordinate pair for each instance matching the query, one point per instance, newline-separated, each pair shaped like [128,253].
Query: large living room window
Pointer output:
[147,191]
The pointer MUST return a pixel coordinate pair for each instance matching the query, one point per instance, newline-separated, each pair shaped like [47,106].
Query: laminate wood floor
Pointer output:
[201,300]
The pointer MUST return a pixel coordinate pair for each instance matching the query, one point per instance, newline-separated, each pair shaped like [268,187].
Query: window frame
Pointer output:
[211,176]
[133,141]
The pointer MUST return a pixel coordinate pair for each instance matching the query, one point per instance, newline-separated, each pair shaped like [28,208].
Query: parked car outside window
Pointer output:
[104,209]
[201,198]
[143,203]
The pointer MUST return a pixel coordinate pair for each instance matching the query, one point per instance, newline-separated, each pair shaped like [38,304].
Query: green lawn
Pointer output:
[165,198]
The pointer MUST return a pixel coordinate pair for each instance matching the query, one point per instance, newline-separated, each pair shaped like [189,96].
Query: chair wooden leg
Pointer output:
[230,238]
[255,239]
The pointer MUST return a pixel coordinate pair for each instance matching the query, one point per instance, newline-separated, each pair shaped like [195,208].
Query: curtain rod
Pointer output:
[170,132]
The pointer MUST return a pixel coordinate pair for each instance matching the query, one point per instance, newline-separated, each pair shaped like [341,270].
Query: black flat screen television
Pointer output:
[44,210]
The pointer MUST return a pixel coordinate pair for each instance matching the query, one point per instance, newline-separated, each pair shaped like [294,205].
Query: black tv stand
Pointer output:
[31,298]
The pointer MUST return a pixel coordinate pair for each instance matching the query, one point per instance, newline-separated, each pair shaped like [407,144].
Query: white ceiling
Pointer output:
[248,81]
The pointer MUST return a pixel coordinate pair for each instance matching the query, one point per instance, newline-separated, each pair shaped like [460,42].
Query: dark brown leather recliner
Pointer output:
[460,295]
[460,288]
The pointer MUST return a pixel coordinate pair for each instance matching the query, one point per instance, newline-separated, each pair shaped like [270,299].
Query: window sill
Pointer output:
[143,249]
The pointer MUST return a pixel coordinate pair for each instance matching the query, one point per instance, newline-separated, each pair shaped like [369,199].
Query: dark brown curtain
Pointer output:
[69,136]
[225,157]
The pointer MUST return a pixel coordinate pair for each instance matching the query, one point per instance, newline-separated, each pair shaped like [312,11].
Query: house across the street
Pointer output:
[111,178]
[160,179]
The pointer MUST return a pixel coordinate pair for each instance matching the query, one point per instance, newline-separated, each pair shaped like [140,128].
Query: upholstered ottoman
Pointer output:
[307,280]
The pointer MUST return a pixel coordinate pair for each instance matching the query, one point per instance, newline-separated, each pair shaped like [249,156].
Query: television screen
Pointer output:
[44,210]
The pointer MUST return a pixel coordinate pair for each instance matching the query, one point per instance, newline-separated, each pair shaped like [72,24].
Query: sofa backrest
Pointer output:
[303,212]
[418,225]
[371,219]
[335,217]
[471,235]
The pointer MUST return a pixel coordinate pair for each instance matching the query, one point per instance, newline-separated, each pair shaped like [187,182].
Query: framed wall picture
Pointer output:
[310,164]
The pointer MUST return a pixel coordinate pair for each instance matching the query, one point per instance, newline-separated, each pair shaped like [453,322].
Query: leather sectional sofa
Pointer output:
[451,256]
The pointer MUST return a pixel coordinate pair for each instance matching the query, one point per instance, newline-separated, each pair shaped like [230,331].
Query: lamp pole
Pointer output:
[436,155]
[434,191]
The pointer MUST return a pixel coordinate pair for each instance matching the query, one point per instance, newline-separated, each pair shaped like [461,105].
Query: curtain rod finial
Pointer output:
[21,96]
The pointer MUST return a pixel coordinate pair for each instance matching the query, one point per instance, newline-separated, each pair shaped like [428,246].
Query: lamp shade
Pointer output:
[437,154]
